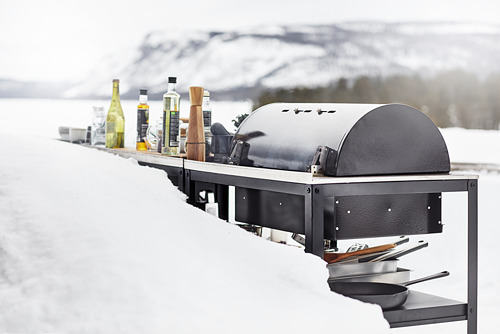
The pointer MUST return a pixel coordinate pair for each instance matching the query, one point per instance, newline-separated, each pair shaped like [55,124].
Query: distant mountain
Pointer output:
[239,64]
[21,89]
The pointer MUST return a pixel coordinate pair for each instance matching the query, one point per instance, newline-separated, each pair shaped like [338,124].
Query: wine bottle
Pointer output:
[115,121]
[171,106]
[142,120]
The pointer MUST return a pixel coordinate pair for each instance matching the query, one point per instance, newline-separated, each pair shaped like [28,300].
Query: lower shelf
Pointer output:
[421,308]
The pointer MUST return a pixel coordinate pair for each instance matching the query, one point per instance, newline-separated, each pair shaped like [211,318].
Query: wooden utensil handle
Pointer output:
[334,257]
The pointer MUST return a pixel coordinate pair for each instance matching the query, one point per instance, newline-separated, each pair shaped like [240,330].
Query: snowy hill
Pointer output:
[237,64]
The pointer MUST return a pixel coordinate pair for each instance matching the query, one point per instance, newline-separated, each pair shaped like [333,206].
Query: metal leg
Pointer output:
[223,201]
[314,221]
[472,235]
[181,179]
[189,188]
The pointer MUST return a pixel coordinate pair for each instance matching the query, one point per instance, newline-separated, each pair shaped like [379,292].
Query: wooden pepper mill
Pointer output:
[195,141]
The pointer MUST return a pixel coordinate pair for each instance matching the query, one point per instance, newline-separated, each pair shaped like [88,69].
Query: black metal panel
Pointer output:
[367,139]
[345,217]
[270,209]
[383,215]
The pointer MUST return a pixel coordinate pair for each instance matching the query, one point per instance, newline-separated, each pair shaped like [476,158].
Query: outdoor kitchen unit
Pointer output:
[342,140]
[339,171]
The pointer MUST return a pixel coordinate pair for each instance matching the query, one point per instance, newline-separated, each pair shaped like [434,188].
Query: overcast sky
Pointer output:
[59,39]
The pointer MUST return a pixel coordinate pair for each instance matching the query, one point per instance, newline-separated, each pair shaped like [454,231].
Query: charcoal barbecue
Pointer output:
[342,140]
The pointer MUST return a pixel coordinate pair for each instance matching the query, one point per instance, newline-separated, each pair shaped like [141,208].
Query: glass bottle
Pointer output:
[207,116]
[98,126]
[171,134]
[142,120]
[115,121]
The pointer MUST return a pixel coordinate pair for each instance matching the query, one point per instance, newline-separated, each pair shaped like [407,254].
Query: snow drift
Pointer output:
[93,243]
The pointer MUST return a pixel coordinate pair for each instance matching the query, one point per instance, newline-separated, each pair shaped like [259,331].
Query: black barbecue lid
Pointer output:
[361,139]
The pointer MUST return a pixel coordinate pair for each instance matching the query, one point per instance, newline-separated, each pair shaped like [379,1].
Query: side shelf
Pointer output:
[422,308]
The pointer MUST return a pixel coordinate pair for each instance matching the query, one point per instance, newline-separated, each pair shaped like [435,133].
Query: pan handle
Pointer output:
[427,278]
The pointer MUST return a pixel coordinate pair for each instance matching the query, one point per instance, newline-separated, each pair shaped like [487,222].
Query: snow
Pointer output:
[94,243]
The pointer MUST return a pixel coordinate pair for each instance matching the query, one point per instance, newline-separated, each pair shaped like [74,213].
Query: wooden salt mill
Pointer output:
[195,141]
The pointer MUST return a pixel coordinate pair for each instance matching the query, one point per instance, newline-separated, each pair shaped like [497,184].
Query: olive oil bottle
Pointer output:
[171,106]
[142,120]
[115,121]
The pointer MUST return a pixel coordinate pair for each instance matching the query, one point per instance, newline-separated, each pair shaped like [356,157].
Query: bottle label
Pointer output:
[110,127]
[142,123]
[173,129]
[207,118]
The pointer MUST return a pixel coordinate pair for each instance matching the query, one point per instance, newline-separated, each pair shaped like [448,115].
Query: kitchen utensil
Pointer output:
[387,295]
[355,247]
[361,258]
[400,252]
[335,257]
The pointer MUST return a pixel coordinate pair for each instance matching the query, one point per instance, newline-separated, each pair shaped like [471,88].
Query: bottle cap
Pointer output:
[116,80]
[143,91]
[172,79]
[206,93]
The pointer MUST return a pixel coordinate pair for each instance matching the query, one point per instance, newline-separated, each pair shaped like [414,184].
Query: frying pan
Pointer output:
[387,295]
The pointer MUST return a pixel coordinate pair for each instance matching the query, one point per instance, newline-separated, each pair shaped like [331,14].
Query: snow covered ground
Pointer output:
[93,243]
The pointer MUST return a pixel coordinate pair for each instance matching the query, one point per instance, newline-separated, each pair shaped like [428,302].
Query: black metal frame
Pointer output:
[420,308]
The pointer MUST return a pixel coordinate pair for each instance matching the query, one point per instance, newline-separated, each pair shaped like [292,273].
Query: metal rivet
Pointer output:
[308,190]
[348,211]
[472,310]
[280,203]
[244,197]
[428,208]
[336,228]
[389,209]
[316,190]
[439,222]
[336,202]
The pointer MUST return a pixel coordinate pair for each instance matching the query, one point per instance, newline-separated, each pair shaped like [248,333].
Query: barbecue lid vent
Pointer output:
[341,139]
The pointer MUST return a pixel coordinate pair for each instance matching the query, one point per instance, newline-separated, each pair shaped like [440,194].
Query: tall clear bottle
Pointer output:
[115,121]
[171,105]
[142,120]
[207,116]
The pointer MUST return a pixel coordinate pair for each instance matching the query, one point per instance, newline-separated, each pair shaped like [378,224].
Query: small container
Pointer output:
[77,135]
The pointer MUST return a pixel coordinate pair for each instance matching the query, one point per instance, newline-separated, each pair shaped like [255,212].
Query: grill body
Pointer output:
[359,140]
[363,139]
